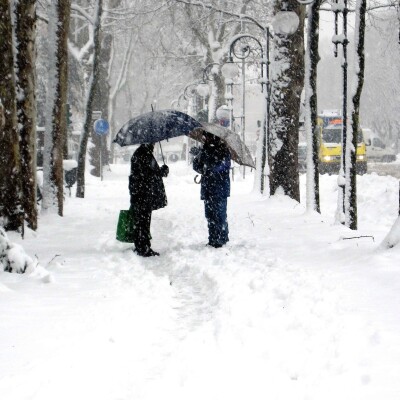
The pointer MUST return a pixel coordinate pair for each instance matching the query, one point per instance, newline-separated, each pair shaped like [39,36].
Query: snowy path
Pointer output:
[287,310]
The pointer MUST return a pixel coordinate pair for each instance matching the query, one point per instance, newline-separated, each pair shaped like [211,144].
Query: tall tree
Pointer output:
[10,185]
[351,189]
[311,105]
[94,77]
[287,85]
[98,153]
[212,28]
[56,123]
[25,32]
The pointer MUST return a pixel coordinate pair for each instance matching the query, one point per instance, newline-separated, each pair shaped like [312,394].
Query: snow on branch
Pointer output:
[232,14]
[83,13]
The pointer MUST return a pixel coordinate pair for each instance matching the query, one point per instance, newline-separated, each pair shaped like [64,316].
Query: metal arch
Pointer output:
[181,96]
[190,90]
[241,48]
[207,76]
[248,50]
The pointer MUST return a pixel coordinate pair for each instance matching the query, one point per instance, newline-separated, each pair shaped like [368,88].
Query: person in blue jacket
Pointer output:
[213,162]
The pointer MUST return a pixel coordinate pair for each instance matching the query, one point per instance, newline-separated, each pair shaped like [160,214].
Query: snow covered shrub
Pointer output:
[13,257]
[393,237]
[4,247]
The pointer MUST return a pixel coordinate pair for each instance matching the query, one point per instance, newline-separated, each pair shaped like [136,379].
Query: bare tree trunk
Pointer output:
[26,104]
[53,194]
[10,184]
[312,59]
[351,212]
[100,103]
[80,187]
[287,86]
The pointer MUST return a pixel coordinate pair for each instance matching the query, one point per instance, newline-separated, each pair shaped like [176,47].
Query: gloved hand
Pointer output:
[164,170]
[194,151]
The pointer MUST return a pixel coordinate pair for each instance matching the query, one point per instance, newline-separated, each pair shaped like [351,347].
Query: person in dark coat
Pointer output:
[213,162]
[147,192]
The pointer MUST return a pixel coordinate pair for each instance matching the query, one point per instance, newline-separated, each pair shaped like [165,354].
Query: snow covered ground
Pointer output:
[293,308]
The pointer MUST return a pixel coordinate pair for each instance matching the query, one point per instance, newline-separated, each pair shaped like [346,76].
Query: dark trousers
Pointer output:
[215,211]
[141,229]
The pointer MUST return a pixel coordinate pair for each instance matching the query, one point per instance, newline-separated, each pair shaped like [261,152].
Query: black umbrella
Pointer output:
[155,126]
[239,151]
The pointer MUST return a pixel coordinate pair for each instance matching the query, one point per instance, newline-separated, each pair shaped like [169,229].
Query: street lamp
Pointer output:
[190,94]
[341,7]
[223,115]
[241,46]
[182,102]
[229,71]
[203,89]
[285,22]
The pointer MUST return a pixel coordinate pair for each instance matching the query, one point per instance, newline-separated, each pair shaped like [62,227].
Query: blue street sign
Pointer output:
[101,127]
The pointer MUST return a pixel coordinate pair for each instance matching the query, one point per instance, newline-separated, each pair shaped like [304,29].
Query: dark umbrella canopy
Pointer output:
[155,126]
[239,151]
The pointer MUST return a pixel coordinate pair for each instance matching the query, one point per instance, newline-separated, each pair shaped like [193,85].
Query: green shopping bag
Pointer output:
[125,226]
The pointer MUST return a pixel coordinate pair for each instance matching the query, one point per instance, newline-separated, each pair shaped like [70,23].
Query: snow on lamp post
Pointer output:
[285,22]
[203,87]
[190,94]
[229,71]
[203,90]
[340,6]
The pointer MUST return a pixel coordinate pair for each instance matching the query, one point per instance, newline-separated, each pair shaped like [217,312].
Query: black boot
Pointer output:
[148,252]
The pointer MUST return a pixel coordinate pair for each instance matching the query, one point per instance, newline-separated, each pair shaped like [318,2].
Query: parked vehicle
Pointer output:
[330,150]
[376,148]
[329,117]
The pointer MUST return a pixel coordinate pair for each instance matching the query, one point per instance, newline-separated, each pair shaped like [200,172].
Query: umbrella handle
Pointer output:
[162,155]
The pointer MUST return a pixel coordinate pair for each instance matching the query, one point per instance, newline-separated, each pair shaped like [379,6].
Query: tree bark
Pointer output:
[312,57]
[53,194]
[80,189]
[100,103]
[287,85]
[26,82]
[10,185]
[351,212]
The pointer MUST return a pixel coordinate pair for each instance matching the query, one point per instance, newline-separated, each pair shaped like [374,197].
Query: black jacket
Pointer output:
[213,163]
[146,186]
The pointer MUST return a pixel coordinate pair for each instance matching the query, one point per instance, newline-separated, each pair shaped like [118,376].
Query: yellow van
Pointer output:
[330,149]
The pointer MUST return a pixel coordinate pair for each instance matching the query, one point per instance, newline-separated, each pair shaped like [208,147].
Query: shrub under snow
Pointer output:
[393,237]
[13,257]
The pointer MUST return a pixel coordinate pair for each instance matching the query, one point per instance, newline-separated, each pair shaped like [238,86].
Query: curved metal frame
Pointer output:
[207,75]
[245,49]
[190,90]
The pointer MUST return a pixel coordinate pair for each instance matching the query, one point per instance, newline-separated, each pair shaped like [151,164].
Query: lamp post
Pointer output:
[340,6]
[229,70]
[285,23]
[242,46]
[203,90]
[190,94]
